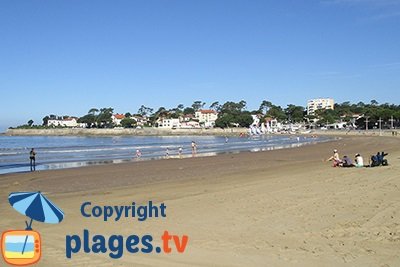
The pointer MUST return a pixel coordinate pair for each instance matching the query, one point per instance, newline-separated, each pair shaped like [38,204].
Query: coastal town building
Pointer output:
[206,117]
[187,117]
[169,123]
[319,103]
[117,118]
[64,122]
[190,125]
[141,120]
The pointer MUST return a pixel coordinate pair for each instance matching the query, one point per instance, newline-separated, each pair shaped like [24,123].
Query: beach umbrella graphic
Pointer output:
[37,207]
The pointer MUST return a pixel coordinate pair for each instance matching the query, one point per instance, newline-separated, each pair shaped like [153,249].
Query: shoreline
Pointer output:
[113,161]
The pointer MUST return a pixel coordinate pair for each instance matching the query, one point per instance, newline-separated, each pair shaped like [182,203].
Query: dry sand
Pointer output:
[277,208]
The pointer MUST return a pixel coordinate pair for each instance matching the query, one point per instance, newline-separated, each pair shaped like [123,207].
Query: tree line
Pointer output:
[232,114]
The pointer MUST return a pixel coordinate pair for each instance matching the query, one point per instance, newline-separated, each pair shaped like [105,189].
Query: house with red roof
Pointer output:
[117,118]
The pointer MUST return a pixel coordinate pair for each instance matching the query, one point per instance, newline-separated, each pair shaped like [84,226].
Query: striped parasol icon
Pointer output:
[37,207]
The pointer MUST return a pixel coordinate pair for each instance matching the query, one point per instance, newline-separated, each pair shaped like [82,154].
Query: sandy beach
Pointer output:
[277,208]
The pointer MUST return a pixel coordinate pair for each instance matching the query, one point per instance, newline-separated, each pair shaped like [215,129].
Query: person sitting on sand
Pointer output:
[374,160]
[335,158]
[381,159]
[359,161]
[346,162]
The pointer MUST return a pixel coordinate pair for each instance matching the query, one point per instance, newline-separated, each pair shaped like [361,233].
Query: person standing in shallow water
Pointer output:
[180,152]
[32,157]
[194,148]
[138,153]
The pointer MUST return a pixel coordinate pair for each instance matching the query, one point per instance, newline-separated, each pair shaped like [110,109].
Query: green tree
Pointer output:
[88,119]
[128,122]
[198,105]
[215,106]
[45,120]
[244,119]
[374,102]
[326,116]
[276,112]
[162,112]
[104,119]
[180,107]
[93,111]
[188,110]
[30,123]
[233,113]
[264,106]
[145,111]
[295,113]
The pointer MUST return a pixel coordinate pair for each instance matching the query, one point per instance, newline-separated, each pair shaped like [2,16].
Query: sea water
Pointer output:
[56,152]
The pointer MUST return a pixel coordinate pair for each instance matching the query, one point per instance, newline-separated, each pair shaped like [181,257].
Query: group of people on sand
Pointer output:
[375,160]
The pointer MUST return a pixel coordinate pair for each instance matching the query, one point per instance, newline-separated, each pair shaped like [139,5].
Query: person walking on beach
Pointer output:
[194,148]
[32,157]
[167,153]
[180,152]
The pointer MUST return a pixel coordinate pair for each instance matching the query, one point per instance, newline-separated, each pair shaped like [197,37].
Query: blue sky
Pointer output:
[65,57]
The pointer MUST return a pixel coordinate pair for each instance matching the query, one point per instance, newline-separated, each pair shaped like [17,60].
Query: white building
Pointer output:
[190,125]
[187,117]
[169,123]
[65,122]
[319,103]
[207,117]
[117,118]
[140,121]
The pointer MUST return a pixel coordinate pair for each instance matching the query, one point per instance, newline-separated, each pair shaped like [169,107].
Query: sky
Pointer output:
[65,57]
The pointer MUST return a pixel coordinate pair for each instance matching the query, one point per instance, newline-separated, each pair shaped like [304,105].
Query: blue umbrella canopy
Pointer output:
[36,206]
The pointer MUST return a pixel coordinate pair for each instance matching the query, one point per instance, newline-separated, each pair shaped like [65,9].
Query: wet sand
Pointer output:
[277,208]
